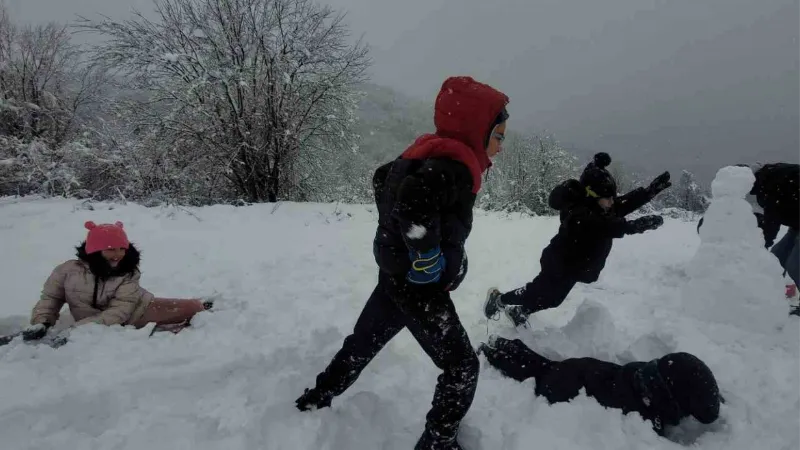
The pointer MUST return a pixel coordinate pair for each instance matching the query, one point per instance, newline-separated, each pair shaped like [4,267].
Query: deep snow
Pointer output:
[292,280]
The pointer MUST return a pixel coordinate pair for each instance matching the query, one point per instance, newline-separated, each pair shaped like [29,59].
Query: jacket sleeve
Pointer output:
[581,221]
[420,200]
[632,201]
[123,304]
[52,298]
[771,225]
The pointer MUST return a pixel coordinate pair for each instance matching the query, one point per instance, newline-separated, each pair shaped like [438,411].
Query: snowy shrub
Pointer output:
[524,173]
[684,194]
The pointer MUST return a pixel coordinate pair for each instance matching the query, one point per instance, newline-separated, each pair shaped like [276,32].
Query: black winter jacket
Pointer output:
[777,190]
[436,193]
[613,386]
[583,243]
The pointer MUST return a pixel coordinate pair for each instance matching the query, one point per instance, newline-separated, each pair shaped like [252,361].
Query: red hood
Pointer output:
[465,110]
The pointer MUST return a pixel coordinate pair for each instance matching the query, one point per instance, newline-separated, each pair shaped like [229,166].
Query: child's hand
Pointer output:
[426,267]
[35,332]
[643,224]
[660,183]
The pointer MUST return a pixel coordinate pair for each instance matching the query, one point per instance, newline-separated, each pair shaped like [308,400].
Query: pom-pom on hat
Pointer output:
[597,181]
[105,236]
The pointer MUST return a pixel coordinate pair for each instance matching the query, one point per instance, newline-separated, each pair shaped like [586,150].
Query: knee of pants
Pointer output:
[358,345]
[467,368]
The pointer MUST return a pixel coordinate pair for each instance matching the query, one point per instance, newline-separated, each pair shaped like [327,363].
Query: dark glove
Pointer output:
[313,399]
[659,184]
[426,267]
[58,341]
[643,224]
[35,332]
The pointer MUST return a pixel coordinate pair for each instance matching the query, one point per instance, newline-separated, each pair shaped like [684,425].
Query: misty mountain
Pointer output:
[388,122]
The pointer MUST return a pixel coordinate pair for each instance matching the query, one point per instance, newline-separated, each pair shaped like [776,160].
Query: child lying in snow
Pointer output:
[102,286]
[592,216]
[663,391]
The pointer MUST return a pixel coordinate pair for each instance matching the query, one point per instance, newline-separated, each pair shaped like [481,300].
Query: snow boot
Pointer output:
[492,305]
[428,441]
[313,399]
[517,315]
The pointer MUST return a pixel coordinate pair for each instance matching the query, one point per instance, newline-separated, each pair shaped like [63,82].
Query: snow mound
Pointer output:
[734,280]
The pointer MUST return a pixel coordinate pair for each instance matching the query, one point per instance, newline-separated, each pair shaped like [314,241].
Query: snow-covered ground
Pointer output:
[293,279]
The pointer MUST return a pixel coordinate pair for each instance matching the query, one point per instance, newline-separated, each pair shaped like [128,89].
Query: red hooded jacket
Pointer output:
[464,115]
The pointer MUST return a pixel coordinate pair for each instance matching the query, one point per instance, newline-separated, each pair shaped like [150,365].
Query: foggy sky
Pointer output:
[660,84]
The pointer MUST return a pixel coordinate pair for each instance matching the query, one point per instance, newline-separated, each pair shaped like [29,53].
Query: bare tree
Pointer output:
[47,95]
[45,85]
[258,91]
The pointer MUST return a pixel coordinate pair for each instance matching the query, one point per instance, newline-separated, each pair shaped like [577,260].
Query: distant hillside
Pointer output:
[389,122]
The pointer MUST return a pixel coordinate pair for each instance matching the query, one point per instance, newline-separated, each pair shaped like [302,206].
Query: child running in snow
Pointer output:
[592,216]
[425,199]
[663,391]
[102,286]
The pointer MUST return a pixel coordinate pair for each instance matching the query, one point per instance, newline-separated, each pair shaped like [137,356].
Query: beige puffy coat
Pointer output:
[120,299]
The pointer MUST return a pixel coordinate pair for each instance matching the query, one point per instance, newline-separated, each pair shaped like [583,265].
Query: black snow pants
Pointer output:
[430,316]
[547,290]
[561,381]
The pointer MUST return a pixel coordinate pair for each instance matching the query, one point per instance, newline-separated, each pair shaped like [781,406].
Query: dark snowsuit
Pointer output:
[579,251]
[431,187]
[663,391]
[777,190]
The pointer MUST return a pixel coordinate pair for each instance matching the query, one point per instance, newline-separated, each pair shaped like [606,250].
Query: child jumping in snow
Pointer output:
[102,286]
[592,216]
[663,391]
[425,200]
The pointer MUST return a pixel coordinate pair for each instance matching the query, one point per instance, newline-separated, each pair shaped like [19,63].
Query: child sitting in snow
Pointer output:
[663,391]
[102,286]
[591,217]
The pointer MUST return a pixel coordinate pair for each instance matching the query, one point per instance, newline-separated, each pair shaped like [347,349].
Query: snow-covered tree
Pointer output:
[524,173]
[45,85]
[258,92]
[47,96]
[684,194]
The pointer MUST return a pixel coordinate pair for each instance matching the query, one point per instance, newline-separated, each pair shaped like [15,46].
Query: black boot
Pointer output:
[429,441]
[517,315]
[492,305]
[313,399]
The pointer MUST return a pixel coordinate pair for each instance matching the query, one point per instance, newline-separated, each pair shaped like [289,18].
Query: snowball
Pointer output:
[417,232]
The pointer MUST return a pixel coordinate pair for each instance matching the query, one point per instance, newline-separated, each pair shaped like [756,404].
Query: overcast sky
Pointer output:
[672,83]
